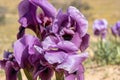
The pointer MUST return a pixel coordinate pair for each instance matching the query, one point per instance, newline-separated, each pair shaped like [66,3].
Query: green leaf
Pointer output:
[28,74]
[19,75]
[59,75]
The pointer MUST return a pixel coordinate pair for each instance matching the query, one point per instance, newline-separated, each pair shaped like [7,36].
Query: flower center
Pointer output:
[67,37]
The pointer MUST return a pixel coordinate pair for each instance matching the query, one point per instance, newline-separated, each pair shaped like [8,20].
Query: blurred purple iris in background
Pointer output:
[100,27]
[59,45]
[116,29]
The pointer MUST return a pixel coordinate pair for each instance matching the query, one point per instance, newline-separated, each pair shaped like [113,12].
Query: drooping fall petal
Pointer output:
[71,64]
[23,47]
[85,42]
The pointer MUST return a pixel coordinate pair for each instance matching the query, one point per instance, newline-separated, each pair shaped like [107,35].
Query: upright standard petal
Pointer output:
[27,13]
[59,20]
[49,9]
[81,22]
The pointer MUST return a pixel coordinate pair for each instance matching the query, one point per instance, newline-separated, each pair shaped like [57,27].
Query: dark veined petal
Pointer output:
[46,74]
[36,61]
[81,22]
[39,68]
[85,42]
[11,68]
[48,8]
[71,64]
[2,63]
[11,73]
[23,47]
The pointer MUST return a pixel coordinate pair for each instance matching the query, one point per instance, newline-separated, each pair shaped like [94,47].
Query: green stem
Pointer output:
[59,75]
[19,75]
[28,74]
[118,51]
[102,45]
[38,33]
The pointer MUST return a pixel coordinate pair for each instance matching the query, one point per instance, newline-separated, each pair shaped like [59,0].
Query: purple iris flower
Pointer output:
[72,26]
[59,46]
[29,18]
[10,66]
[100,27]
[27,57]
[116,29]
[65,57]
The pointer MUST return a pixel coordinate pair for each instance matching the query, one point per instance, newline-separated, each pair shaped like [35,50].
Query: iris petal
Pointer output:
[67,46]
[85,42]
[71,64]
[55,57]
[49,9]
[24,47]
[81,22]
